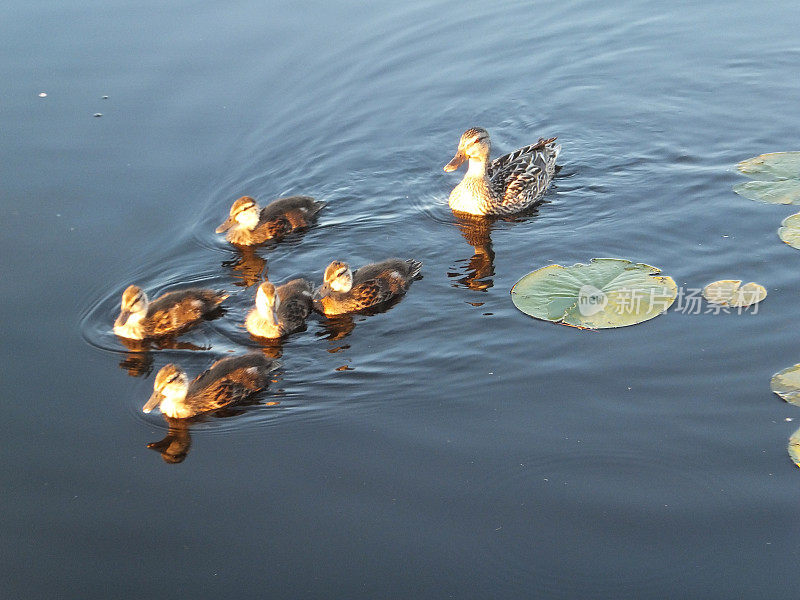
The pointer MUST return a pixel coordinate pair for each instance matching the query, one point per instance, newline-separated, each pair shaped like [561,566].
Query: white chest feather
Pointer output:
[470,196]
[174,407]
[132,329]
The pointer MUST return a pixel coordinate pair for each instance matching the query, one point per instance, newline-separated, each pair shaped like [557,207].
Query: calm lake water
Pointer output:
[448,448]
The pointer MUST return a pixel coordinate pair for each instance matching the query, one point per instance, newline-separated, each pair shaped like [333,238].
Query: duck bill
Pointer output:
[459,158]
[122,318]
[229,222]
[154,401]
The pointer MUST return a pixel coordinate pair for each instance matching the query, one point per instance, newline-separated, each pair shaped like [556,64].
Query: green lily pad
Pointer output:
[731,292]
[776,175]
[794,447]
[772,166]
[786,384]
[607,292]
[790,230]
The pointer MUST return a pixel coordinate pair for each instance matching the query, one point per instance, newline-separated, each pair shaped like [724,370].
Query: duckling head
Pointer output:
[169,390]
[132,309]
[267,301]
[474,144]
[338,277]
[244,212]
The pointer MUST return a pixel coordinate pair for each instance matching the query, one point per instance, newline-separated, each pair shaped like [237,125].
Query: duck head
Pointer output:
[474,145]
[169,390]
[132,309]
[267,302]
[244,212]
[338,278]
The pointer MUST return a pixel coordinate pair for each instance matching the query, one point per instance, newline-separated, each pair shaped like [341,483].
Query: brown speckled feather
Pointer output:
[228,381]
[284,215]
[179,310]
[295,304]
[522,176]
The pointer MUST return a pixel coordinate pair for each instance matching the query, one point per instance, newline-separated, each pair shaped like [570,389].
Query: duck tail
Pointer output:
[414,267]
[318,206]
[219,297]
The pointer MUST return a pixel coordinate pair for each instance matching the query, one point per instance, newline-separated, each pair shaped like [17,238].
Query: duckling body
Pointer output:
[346,291]
[249,225]
[169,314]
[280,311]
[506,185]
[226,382]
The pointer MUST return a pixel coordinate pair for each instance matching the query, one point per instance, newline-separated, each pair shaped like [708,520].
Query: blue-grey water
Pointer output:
[450,447]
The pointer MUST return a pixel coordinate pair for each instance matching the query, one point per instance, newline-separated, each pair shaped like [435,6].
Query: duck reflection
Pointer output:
[338,327]
[175,446]
[478,270]
[138,361]
[247,265]
[225,390]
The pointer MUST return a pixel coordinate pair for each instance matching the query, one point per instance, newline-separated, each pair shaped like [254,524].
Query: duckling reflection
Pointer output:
[248,224]
[227,382]
[248,266]
[138,359]
[175,446]
[336,328]
[346,291]
[169,314]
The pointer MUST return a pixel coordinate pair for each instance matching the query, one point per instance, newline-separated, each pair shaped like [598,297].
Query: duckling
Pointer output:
[508,184]
[345,291]
[227,381]
[171,313]
[248,224]
[280,311]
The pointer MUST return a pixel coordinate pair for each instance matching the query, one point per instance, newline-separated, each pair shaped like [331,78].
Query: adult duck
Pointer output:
[506,185]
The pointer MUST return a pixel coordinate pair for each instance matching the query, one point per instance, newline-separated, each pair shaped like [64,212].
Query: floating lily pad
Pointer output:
[607,292]
[790,230]
[776,175]
[794,447]
[731,292]
[786,384]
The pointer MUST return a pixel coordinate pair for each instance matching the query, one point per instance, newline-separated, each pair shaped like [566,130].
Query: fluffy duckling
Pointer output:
[345,291]
[248,224]
[168,314]
[280,311]
[228,381]
[508,184]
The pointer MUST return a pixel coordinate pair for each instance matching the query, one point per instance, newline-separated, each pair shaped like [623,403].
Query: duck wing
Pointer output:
[369,293]
[295,303]
[181,308]
[523,175]
[230,380]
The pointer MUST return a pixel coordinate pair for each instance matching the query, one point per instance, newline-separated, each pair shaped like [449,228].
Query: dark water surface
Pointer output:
[466,451]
